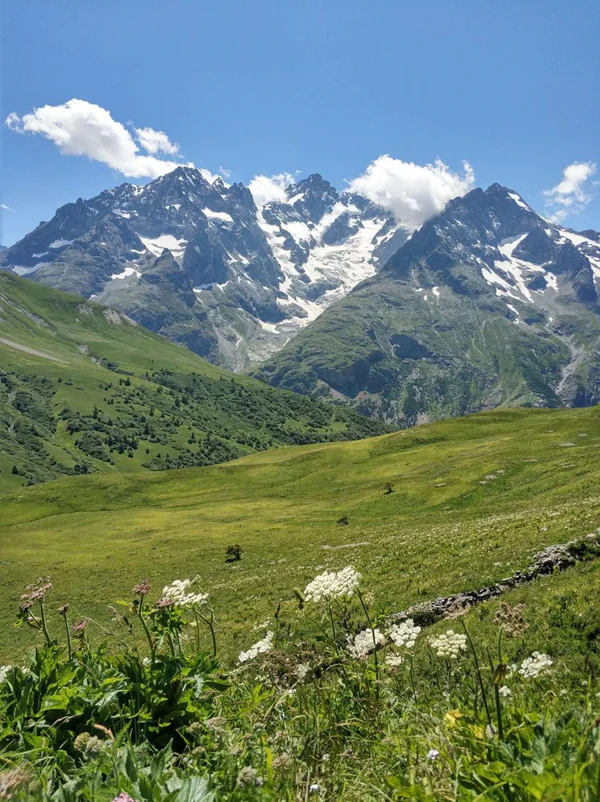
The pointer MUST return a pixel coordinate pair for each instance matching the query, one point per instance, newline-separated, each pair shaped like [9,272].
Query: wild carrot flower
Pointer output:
[364,642]
[142,588]
[535,665]
[433,754]
[302,670]
[37,592]
[504,691]
[404,634]
[80,742]
[124,798]
[248,776]
[94,746]
[165,602]
[333,585]
[261,647]
[178,592]
[449,645]
[63,610]
[79,626]
[393,660]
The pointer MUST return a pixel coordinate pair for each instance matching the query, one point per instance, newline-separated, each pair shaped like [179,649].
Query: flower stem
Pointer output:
[478,672]
[210,622]
[145,627]
[44,625]
[68,637]
[375,660]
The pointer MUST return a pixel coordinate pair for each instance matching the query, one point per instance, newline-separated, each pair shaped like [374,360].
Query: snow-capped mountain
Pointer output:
[488,303]
[198,262]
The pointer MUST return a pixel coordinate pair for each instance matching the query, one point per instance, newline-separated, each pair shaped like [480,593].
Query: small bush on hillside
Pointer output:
[233,553]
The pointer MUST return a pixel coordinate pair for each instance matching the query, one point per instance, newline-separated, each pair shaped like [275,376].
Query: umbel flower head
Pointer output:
[333,585]
[535,665]
[261,647]
[404,634]
[177,591]
[142,588]
[449,645]
[364,642]
[37,592]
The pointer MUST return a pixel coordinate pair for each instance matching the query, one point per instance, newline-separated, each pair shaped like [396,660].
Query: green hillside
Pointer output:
[473,499]
[84,389]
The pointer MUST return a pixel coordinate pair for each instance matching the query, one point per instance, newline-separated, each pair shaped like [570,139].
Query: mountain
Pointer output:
[85,389]
[487,304]
[200,263]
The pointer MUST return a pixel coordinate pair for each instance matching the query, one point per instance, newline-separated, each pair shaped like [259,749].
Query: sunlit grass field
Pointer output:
[473,500]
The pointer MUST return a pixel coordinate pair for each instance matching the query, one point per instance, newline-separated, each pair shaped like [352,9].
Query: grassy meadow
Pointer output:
[473,500]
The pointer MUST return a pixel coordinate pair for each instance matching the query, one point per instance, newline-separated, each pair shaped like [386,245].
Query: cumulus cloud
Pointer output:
[266,188]
[156,141]
[572,194]
[80,128]
[412,192]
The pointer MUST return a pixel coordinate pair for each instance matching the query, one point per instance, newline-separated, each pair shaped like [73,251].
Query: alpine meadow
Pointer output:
[299,470]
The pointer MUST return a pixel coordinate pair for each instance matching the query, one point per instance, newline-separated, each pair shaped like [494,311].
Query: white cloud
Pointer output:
[225,173]
[572,194]
[80,128]
[266,188]
[412,192]
[156,141]
[6,208]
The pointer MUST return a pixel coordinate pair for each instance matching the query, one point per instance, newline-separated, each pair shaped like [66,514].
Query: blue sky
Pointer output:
[272,86]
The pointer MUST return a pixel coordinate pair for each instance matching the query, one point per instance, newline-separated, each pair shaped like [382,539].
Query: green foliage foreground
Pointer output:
[334,702]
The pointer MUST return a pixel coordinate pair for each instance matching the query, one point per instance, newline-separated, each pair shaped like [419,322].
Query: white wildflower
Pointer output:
[333,585]
[535,665]
[261,647]
[248,776]
[405,633]
[504,691]
[177,591]
[449,645]
[302,670]
[433,754]
[4,672]
[364,642]
[393,660]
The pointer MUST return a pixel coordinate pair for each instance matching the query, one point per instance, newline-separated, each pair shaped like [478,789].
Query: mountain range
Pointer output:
[487,304]
[200,263]
[324,293]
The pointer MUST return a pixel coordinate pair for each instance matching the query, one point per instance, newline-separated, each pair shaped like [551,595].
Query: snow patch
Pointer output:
[60,243]
[212,215]
[518,200]
[129,271]
[156,246]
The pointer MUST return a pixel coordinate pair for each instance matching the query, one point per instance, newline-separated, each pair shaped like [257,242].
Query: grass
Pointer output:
[445,527]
